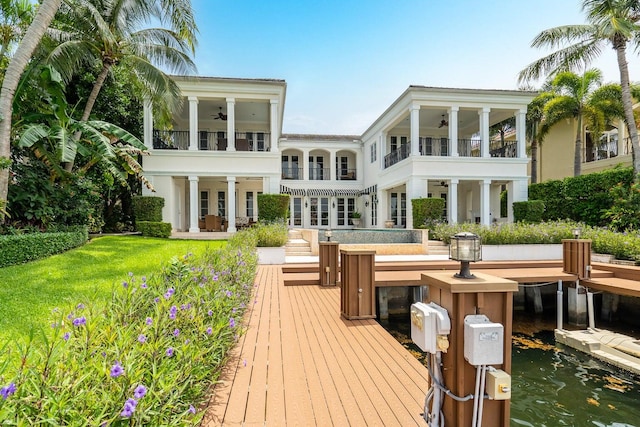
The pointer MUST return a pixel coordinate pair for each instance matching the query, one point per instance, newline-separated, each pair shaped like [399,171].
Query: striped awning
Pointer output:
[370,190]
[292,191]
[347,192]
[320,192]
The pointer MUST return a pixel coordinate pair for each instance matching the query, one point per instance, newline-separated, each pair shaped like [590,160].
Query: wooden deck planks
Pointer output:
[305,365]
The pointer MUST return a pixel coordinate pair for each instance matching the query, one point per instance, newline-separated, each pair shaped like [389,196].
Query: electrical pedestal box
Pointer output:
[483,341]
[430,326]
[498,385]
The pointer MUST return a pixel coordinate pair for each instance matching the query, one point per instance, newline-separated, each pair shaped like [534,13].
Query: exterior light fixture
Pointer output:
[366,204]
[576,232]
[328,235]
[306,205]
[465,247]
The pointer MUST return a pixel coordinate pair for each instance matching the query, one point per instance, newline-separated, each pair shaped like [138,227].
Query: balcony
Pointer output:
[507,149]
[210,141]
[397,155]
[291,173]
[606,150]
[319,174]
[346,175]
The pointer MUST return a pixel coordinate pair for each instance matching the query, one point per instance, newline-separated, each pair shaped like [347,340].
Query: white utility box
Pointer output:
[483,340]
[428,321]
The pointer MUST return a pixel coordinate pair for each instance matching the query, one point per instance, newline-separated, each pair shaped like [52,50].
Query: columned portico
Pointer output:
[453,131]
[193,123]
[453,201]
[332,165]
[231,206]
[485,202]
[193,205]
[275,136]
[231,124]
[415,129]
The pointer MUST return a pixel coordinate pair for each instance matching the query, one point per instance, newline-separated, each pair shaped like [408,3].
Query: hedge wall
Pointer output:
[21,248]
[530,211]
[426,211]
[583,198]
[273,207]
[154,228]
[147,208]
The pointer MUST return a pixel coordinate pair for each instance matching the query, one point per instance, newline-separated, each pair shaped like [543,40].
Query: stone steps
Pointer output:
[296,245]
[437,247]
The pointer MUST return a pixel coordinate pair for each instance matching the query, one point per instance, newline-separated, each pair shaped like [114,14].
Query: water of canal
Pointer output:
[554,386]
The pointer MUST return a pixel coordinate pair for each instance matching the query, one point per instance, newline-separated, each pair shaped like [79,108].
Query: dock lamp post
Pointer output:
[328,235]
[465,247]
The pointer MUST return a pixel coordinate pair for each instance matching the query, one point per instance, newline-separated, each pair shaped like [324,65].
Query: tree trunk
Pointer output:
[621,49]
[577,158]
[534,161]
[18,63]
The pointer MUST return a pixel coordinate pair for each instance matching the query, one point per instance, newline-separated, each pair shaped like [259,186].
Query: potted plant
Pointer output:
[355,218]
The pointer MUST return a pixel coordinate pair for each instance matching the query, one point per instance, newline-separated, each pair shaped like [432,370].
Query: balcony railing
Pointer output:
[291,173]
[319,174]
[509,149]
[210,141]
[469,147]
[434,146]
[346,175]
[397,155]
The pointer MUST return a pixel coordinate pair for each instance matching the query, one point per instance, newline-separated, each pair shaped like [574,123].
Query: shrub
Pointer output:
[147,357]
[154,229]
[271,234]
[529,211]
[147,208]
[426,211]
[624,214]
[273,207]
[21,248]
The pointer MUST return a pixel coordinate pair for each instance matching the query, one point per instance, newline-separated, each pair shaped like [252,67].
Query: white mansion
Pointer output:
[226,147]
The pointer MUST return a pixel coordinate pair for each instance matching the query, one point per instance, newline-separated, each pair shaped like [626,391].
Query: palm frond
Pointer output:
[571,58]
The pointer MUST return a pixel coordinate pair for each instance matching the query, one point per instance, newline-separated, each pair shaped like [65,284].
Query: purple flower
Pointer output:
[156,299]
[139,392]
[142,338]
[176,332]
[232,322]
[66,336]
[215,277]
[169,293]
[149,321]
[125,284]
[7,391]
[143,278]
[130,274]
[191,409]
[210,312]
[172,312]
[169,352]
[209,330]
[79,321]
[229,293]
[129,408]
[116,370]
[144,285]
[80,306]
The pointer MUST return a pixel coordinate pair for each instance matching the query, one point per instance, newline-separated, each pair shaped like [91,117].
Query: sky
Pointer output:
[346,61]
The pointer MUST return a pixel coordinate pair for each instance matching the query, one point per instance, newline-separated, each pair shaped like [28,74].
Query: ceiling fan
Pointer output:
[444,184]
[220,116]
[443,122]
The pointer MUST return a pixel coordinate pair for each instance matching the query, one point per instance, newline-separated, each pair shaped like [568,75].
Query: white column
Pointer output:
[484,131]
[485,202]
[517,191]
[305,165]
[383,207]
[231,204]
[275,135]
[453,201]
[332,165]
[382,149]
[193,205]
[193,123]
[415,189]
[415,129]
[453,131]
[231,124]
[147,119]
[521,133]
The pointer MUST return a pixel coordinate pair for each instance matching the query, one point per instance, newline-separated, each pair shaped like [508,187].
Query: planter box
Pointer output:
[521,252]
[271,255]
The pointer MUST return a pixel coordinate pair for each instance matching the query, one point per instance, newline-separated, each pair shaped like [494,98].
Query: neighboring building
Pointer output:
[556,153]
[226,148]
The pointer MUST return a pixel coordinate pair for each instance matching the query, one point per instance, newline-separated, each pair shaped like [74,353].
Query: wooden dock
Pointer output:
[301,364]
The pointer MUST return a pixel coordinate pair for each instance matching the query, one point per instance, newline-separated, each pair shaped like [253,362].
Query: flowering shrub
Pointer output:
[145,358]
[604,241]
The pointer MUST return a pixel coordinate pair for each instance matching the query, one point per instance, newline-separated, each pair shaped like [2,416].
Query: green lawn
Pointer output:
[29,292]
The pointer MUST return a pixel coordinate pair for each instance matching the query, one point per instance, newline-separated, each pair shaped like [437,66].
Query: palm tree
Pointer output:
[609,22]
[110,32]
[535,116]
[17,64]
[585,100]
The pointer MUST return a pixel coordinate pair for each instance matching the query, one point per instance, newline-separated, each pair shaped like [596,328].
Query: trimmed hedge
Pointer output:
[147,208]
[21,248]
[273,207]
[426,211]
[530,211]
[154,228]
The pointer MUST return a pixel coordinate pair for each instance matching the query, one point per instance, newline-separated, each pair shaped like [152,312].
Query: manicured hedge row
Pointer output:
[147,208]
[21,248]
[529,211]
[426,211]
[273,207]
[154,229]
